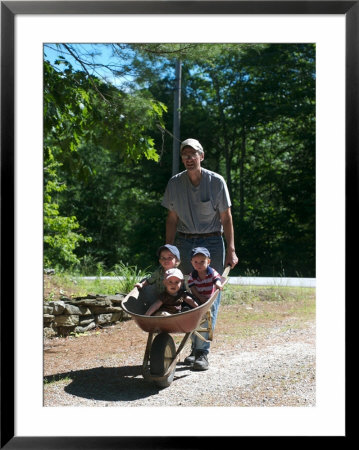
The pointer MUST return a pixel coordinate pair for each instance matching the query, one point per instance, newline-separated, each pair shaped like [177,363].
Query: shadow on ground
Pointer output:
[109,383]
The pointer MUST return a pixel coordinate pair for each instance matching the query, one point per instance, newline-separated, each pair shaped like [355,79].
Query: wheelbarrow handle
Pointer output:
[226,271]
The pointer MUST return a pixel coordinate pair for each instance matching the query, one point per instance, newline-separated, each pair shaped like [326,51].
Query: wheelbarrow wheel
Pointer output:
[163,352]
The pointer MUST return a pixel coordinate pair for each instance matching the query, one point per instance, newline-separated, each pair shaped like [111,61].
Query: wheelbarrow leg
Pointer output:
[147,353]
[182,344]
[207,318]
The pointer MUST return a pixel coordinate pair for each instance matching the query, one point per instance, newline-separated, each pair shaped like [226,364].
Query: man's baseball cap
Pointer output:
[192,143]
[174,250]
[200,251]
[174,273]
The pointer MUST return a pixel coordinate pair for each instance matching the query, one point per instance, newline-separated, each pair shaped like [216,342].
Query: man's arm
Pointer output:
[171,227]
[227,222]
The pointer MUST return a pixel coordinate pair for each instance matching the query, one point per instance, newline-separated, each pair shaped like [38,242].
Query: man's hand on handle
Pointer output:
[231,259]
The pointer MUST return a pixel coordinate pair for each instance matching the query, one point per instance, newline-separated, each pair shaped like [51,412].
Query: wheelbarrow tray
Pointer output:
[183,322]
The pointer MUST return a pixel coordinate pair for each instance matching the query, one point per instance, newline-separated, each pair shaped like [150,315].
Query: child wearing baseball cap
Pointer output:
[204,279]
[203,282]
[171,300]
[169,258]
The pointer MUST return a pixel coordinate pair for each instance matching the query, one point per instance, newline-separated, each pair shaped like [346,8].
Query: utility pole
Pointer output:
[176,119]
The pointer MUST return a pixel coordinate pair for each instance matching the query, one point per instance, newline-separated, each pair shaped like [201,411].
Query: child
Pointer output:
[169,258]
[170,301]
[203,280]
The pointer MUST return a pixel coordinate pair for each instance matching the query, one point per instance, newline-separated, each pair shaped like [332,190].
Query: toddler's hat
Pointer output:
[174,273]
[200,250]
[192,143]
[174,250]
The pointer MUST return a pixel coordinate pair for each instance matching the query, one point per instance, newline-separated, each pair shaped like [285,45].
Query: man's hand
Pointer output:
[227,222]
[231,259]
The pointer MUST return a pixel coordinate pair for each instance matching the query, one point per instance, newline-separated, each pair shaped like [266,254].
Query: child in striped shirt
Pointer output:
[203,280]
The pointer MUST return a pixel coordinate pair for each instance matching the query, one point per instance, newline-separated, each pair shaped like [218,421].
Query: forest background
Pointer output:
[108,149]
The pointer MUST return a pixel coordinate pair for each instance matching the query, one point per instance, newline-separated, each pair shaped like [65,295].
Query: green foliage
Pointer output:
[83,113]
[60,237]
[128,276]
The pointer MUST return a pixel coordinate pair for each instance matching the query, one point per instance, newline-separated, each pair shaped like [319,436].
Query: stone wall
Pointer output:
[81,314]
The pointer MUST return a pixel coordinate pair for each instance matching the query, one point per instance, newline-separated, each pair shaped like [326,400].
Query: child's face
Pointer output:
[172,285]
[200,262]
[167,259]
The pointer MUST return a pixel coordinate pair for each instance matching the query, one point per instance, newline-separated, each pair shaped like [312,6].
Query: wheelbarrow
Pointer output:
[161,354]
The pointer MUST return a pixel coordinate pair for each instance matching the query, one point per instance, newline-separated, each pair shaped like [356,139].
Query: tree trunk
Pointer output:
[241,174]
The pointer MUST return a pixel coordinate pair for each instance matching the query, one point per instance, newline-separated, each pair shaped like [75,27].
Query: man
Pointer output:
[199,213]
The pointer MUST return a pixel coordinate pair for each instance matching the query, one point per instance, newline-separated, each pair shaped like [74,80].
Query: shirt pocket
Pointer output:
[206,209]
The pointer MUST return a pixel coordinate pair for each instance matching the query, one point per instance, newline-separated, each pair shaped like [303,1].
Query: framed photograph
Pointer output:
[25,26]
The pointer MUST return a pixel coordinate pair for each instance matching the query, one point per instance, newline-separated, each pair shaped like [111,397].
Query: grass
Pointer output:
[250,310]
[252,294]
[75,285]
[53,379]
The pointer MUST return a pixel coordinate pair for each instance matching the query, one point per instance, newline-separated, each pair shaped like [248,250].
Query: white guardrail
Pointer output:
[268,281]
[251,281]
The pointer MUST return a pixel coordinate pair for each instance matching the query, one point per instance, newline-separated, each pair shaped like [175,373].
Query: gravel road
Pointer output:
[275,369]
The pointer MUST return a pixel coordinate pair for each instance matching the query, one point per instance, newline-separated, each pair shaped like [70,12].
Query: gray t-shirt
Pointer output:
[198,207]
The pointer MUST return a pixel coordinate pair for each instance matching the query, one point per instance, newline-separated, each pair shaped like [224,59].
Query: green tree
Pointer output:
[81,111]
[60,237]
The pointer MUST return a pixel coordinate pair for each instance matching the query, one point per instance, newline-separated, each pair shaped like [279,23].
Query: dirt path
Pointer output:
[274,366]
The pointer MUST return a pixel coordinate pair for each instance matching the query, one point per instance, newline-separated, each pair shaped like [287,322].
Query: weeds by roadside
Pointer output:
[121,279]
[251,310]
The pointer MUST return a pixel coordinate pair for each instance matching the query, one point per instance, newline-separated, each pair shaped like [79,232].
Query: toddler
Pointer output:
[171,300]
[203,280]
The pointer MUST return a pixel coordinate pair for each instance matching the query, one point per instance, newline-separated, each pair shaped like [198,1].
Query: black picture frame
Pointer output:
[9,9]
